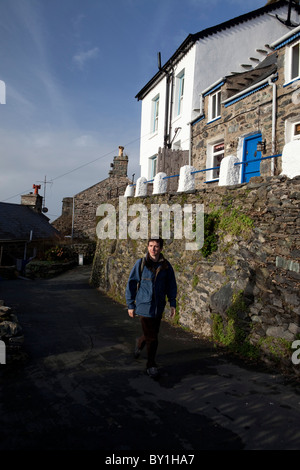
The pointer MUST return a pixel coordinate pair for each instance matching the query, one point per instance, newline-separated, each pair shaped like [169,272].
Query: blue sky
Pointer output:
[72,69]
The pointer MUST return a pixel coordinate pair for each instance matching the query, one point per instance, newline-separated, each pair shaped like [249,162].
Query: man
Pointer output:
[151,280]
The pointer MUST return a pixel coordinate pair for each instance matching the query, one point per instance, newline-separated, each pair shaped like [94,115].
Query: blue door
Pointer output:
[252,156]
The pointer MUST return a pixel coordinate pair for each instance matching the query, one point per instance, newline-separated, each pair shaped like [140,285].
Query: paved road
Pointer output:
[81,389]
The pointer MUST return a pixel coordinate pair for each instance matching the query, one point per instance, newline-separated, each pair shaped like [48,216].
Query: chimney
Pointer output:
[120,164]
[33,200]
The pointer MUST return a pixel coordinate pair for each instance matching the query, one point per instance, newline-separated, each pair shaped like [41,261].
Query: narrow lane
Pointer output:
[81,389]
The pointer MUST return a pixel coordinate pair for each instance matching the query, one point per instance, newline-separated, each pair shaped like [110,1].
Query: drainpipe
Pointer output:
[168,117]
[274,106]
[190,146]
[166,135]
[171,76]
[200,114]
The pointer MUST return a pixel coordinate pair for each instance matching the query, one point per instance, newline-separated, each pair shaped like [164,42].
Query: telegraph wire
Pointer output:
[71,171]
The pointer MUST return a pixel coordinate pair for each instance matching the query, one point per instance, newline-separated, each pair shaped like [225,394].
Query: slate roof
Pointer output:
[16,222]
[241,81]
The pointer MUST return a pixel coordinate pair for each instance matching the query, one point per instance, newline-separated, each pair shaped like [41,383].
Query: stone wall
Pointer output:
[87,201]
[170,161]
[252,114]
[11,336]
[243,285]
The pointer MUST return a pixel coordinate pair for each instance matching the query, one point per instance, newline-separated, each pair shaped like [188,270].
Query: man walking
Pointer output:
[151,280]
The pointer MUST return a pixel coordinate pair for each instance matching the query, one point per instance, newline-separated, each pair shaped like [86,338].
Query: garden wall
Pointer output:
[242,287]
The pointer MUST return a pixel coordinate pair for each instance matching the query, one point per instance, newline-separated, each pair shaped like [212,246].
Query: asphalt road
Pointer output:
[80,387]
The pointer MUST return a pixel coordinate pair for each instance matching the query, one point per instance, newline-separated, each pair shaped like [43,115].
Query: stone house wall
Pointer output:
[79,212]
[87,201]
[170,161]
[253,271]
[251,114]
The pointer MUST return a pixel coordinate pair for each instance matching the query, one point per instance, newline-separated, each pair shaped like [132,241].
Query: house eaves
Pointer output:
[286,39]
[193,38]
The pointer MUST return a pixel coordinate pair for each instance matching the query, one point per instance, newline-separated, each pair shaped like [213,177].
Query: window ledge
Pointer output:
[176,118]
[291,82]
[212,181]
[153,134]
[213,120]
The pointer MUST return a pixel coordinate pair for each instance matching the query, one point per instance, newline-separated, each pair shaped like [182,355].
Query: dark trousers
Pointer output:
[150,327]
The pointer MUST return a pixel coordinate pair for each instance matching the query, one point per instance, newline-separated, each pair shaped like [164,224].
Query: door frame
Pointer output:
[245,140]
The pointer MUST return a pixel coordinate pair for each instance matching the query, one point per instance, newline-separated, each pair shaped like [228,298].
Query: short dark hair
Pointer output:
[158,240]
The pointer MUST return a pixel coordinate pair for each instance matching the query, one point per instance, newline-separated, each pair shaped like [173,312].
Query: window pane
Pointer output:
[296,134]
[180,93]
[213,107]
[295,61]
[155,115]
[219,103]
[218,154]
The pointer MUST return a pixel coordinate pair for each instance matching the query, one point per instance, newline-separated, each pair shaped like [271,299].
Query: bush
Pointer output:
[57,253]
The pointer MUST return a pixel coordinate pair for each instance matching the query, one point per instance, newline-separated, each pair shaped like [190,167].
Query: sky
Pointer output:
[72,69]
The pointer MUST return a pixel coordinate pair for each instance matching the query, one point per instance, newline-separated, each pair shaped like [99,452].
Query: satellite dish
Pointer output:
[45,209]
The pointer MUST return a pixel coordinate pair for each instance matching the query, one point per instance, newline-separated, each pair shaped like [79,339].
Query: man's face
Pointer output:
[154,250]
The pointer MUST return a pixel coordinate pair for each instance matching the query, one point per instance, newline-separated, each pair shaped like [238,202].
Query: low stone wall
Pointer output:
[48,269]
[11,335]
[242,287]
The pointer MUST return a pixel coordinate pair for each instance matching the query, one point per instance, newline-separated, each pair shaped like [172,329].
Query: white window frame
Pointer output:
[212,155]
[295,131]
[152,166]
[295,61]
[180,78]
[155,114]
[292,52]
[290,133]
[214,106]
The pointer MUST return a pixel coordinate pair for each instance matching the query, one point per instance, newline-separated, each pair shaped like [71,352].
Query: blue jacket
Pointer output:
[154,286]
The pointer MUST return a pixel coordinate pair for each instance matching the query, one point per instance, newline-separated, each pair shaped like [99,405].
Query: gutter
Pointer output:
[287,36]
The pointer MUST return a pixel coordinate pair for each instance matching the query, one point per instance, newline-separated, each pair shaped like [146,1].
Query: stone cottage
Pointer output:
[250,116]
[24,230]
[78,218]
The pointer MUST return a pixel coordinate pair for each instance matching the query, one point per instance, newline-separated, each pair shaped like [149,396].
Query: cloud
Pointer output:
[82,57]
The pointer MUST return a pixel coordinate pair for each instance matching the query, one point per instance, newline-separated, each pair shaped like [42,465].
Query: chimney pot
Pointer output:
[121,151]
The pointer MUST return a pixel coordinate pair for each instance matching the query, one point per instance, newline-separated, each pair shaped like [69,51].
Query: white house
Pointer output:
[173,97]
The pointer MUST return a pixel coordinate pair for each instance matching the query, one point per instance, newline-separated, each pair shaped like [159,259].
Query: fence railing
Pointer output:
[196,171]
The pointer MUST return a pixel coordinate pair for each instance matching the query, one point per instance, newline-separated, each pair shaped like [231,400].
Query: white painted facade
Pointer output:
[152,139]
[217,54]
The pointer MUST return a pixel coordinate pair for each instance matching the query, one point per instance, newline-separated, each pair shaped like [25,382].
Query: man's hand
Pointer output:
[173,311]
[131,313]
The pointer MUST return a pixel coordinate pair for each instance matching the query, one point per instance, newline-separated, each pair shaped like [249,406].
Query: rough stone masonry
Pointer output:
[250,264]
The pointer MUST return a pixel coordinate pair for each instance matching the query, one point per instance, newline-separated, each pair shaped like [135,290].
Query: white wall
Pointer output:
[150,142]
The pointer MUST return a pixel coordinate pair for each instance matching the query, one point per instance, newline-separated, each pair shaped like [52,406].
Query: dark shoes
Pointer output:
[153,372]
[137,350]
